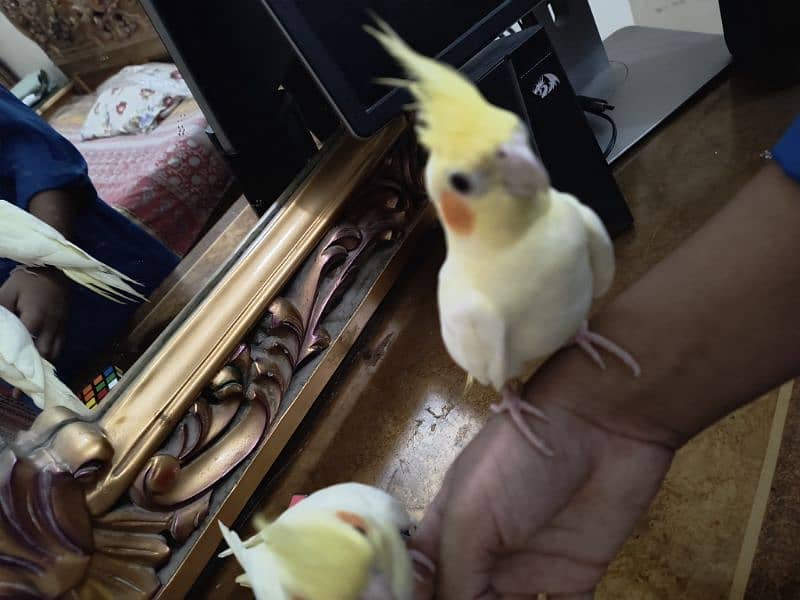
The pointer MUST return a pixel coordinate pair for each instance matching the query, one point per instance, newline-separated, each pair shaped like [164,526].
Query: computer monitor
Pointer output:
[330,39]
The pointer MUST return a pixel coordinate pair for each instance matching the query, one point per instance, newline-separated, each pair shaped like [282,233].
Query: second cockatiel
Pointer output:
[343,542]
[524,261]
[31,242]
[22,366]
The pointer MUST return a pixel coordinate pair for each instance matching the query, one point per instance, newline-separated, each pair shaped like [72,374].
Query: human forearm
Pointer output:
[57,208]
[713,326]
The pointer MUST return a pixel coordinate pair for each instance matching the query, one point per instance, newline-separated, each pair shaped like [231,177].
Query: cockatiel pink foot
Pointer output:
[516,407]
[587,340]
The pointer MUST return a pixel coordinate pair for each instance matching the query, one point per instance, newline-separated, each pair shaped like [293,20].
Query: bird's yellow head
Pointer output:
[325,555]
[482,174]
[318,554]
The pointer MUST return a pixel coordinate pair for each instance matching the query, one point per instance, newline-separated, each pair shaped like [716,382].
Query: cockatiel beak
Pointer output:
[523,173]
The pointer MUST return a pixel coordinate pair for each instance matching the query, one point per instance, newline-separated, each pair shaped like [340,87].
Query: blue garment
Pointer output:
[787,151]
[34,158]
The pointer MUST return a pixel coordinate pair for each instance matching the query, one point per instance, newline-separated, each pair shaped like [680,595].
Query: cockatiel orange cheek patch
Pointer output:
[353,519]
[456,214]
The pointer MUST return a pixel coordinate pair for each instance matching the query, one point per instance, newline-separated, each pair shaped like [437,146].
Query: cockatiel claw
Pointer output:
[515,406]
[587,340]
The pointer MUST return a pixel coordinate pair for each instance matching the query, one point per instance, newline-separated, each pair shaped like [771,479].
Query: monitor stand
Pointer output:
[521,72]
[646,73]
[655,71]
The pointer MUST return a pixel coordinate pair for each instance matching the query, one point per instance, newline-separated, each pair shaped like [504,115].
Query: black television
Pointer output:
[345,61]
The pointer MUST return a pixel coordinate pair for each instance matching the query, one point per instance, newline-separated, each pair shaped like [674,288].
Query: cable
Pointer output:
[613,141]
[599,108]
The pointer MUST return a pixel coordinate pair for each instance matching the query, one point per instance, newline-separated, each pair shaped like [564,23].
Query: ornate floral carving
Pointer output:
[230,420]
[47,543]
[50,544]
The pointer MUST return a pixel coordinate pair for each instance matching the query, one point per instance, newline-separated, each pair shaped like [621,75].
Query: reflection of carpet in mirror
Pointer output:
[171,181]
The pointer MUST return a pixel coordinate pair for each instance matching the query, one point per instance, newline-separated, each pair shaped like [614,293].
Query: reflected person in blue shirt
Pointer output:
[43,173]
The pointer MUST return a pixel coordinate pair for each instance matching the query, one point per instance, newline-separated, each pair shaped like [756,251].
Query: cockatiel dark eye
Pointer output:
[461,183]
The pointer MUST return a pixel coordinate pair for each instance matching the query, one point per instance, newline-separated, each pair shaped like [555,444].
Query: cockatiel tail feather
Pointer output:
[23,367]
[32,242]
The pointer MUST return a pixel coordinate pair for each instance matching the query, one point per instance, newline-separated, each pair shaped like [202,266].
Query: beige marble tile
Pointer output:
[688,545]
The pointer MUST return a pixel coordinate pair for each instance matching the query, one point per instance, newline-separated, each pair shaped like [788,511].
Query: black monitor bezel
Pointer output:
[364,121]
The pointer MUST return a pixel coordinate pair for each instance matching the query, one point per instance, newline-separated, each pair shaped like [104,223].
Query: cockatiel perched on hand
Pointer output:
[22,367]
[524,261]
[344,542]
[31,242]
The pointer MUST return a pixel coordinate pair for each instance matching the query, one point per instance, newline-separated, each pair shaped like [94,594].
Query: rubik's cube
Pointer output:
[98,389]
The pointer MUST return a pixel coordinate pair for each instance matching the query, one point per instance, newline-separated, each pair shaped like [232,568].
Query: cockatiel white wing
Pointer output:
[20,363]
[601,249]
[22,366]
[29,241]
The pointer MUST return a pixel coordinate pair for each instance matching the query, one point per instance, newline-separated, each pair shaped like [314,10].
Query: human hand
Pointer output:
[510,522]
[40,298]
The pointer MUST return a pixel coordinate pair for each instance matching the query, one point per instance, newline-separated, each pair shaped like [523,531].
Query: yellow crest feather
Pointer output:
[455,120]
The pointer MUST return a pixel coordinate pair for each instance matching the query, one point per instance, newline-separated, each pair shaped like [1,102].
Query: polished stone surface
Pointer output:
[394,417]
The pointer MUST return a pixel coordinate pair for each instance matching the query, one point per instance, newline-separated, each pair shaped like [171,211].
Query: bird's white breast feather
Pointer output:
[501,314]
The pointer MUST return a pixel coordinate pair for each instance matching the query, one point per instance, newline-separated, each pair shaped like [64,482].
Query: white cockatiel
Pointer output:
[31,242]
[524,261]
[344,542]
[22,366]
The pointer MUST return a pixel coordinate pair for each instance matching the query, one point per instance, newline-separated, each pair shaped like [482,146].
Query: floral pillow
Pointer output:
[156,76]
[129,109]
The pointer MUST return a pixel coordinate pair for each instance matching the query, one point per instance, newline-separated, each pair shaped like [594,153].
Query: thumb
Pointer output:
[424,544]
[465,547]
[456,531]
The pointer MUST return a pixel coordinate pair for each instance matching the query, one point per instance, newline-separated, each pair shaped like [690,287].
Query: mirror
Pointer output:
[114,155]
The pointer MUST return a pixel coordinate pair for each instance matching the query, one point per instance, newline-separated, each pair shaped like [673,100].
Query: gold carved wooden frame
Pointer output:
[125,505]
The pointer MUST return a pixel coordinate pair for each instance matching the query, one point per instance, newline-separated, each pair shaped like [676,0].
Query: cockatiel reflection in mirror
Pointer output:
[23,367]
[344,542]
[524,261]
[33,243]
